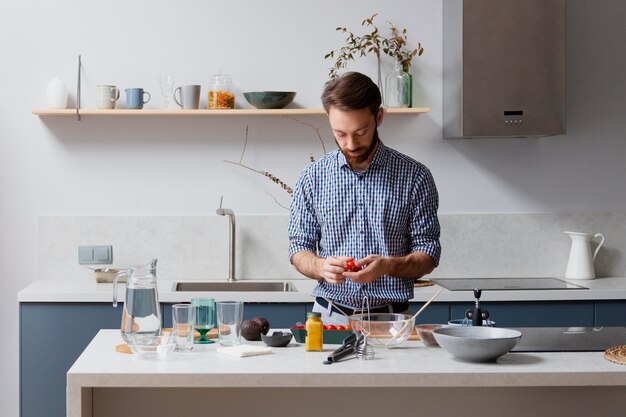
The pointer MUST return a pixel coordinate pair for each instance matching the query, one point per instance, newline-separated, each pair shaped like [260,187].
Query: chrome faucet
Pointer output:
[231,239]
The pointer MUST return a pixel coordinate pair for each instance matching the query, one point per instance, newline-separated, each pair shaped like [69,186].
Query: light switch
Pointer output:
[100,254]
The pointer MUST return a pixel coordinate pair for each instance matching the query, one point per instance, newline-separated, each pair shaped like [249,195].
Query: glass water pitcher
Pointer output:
[141,316]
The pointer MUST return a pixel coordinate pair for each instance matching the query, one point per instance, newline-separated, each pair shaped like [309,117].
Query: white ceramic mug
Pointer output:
[187,96]
[106,96]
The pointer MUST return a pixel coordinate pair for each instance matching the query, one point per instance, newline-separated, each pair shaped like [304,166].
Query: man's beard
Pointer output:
[365,155]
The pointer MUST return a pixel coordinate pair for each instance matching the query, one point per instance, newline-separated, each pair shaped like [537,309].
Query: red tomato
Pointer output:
[341,328]
[325,327]
[351,266]
[331,327]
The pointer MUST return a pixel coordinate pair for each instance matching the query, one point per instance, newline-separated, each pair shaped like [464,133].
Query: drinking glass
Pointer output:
[205,317]
[183,320]
[229,319]
[166,82]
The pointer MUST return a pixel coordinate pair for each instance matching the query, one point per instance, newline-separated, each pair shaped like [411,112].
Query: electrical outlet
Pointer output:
[99,254]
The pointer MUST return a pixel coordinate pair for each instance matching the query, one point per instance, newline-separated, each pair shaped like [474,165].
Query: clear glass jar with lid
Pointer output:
[221,95]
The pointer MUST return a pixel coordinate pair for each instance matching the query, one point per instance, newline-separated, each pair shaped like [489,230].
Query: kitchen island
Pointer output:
[408,380]
[49,308]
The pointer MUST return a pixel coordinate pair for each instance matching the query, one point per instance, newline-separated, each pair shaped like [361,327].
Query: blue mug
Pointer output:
[135,98]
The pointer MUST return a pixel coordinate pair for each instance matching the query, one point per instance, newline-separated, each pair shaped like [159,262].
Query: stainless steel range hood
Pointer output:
[504,68]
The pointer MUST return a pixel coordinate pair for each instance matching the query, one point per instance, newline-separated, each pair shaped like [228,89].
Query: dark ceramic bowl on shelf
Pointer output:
[269,99]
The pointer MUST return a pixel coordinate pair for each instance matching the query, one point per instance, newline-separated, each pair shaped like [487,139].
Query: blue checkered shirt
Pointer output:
[388,210]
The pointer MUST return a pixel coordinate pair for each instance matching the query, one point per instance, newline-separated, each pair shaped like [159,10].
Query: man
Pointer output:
[365,204]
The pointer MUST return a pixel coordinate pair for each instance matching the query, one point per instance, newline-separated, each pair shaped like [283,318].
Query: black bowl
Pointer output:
[277,339]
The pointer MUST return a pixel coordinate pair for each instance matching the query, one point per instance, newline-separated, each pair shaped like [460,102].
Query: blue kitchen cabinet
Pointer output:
[533,313]
[52,337]
[610,313]
[434,313]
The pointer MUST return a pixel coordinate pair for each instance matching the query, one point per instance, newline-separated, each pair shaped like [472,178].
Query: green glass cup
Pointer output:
[205,318]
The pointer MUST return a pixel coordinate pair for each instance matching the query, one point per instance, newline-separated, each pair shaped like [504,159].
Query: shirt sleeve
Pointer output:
[304,230]
[424,227]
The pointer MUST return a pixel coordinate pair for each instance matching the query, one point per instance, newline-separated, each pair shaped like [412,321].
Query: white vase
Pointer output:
[56,94]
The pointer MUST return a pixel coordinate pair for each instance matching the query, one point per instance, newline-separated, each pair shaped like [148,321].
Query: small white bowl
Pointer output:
[153,347]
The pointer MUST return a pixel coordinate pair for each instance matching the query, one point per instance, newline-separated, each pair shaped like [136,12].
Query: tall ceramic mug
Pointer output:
[135,98]
[187,96]
[106,96]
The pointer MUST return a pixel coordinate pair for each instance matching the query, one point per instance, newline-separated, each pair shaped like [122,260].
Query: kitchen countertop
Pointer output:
[75,290]
[410,366]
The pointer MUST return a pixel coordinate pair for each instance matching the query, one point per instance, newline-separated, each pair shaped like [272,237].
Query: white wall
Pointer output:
[174,166]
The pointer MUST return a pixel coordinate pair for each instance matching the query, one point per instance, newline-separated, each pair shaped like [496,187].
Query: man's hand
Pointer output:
[414,265]
[374,267]
[333,269]
[329,269]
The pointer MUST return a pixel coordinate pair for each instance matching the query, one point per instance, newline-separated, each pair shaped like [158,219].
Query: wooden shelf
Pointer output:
[205,112]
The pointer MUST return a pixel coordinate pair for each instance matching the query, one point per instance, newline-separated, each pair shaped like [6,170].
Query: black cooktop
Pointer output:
[464,284]
[569,339]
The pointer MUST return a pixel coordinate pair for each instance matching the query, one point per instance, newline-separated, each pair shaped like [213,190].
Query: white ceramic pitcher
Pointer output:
[580,263]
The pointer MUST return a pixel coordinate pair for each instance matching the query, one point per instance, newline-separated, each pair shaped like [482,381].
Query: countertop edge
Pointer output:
[77,291]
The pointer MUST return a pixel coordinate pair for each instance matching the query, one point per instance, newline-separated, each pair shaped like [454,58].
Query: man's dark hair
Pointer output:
[351,91]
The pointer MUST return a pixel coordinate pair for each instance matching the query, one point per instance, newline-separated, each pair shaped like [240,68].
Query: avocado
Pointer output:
[251,330]
[265,325]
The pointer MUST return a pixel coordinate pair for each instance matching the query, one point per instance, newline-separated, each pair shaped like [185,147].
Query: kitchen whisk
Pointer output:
[364,350]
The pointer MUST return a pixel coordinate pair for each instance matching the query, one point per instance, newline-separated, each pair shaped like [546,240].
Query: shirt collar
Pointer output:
[380,157]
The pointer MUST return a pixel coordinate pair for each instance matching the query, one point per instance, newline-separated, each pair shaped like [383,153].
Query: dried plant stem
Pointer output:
[317,130]
[243,151]
[272,177]
[277,202]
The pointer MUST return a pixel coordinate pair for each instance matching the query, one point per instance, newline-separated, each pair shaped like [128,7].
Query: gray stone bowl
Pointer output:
[269,99]
[477,344]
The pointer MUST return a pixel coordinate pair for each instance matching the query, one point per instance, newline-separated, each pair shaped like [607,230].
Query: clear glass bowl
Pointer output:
[425,333]
[383,329]
[153,347]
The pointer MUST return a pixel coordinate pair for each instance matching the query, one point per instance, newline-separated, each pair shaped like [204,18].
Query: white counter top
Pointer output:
[74,290]
[104,382]
[411,364]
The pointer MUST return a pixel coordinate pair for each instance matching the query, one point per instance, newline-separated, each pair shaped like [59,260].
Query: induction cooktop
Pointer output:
[464,284]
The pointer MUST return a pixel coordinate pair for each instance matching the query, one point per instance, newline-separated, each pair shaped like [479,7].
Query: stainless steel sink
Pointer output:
[236,286]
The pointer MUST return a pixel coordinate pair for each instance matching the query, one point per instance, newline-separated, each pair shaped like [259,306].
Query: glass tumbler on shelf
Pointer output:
[220,92]
[166,82]
[398,88]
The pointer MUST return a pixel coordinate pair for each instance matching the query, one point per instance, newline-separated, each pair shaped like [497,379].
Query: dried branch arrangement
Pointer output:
[268,174]
[358,46]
